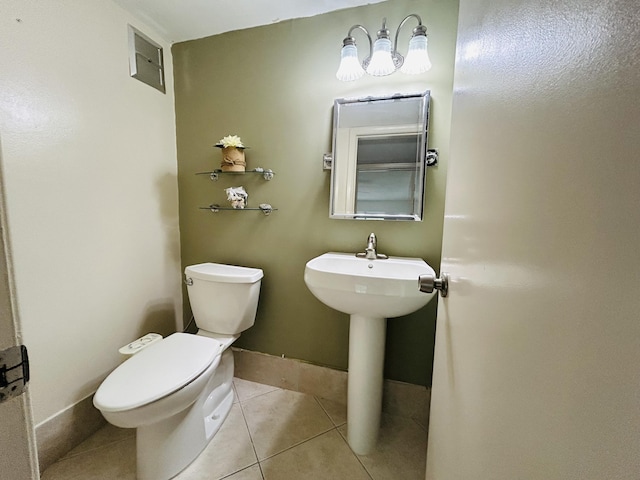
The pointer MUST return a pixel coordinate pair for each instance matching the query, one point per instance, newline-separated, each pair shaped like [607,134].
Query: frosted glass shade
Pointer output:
[417,60]
[381,62]
[350,68]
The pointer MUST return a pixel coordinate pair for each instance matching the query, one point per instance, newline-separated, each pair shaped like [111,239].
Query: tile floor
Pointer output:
[270,434]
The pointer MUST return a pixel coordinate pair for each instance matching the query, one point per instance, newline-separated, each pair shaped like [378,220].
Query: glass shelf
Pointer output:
[267,174]
[264,208]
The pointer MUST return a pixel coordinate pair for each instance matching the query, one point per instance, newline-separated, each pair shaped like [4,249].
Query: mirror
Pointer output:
[379,157]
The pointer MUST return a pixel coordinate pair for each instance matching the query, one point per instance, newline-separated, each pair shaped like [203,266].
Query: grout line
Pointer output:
[324,410]
[337,428]
[298,444]
[326,413]
[241,402]
[423,427]
[93,449]
[246,424]
[235,390]
[256,395]
[255,452]
[356,455]
[261,471]
[241,470]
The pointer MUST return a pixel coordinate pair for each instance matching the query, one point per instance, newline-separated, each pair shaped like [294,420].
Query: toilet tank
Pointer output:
[223,298]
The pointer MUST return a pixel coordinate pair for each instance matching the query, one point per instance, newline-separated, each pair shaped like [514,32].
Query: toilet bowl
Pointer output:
[178,391]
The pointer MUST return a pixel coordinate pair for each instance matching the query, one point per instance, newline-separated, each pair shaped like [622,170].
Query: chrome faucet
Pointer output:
[372,244]
[370,252]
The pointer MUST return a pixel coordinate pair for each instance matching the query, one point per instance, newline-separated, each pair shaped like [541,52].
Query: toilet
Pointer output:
[177,392]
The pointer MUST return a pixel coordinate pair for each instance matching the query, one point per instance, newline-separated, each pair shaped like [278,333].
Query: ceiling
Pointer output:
[180,20]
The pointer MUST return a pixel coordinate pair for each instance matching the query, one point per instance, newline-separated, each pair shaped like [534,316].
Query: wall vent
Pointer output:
[145,59]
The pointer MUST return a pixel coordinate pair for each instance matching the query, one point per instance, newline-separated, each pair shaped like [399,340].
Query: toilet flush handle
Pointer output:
[188,281]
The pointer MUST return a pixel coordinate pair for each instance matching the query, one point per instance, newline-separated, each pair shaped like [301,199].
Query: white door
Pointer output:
[537,362]
[17,437]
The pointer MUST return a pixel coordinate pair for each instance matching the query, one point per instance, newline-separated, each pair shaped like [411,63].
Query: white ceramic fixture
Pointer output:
[370,291]
[177,391]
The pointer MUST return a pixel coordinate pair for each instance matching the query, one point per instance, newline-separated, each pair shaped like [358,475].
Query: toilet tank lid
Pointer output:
[217,272]
[156,371]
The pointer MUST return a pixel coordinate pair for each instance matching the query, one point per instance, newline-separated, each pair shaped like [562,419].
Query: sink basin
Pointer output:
[372,288]
[370,291]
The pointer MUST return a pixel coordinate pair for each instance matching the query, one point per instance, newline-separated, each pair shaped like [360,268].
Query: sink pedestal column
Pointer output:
[364,392]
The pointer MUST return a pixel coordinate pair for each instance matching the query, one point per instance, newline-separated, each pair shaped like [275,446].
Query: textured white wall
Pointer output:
[90,174]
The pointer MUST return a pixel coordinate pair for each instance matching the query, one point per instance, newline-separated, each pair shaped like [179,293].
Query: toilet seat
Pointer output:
[157,371]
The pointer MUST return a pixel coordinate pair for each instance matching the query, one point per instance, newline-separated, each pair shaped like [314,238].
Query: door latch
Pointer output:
[429,283]
[14,372]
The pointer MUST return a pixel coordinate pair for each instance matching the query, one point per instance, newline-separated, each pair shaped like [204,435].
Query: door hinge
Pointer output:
[14,372]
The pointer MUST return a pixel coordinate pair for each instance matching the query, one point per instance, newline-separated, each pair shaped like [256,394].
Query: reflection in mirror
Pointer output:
[379,148]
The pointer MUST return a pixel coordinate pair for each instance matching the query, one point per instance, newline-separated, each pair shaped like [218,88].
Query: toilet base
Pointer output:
[166,448]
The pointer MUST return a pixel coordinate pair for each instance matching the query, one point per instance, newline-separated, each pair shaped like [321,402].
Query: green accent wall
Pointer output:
[274,86]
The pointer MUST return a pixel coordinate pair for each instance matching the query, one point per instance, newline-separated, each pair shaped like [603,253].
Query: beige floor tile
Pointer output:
[246,389]
[293,432]
[228,452]
[324,457]
[282,418]
[407,400]
[337,411]
[251,473]
[114,461]
[105,436]
[401,451]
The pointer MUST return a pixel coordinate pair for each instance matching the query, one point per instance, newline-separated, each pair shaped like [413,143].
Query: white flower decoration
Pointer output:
[231,141]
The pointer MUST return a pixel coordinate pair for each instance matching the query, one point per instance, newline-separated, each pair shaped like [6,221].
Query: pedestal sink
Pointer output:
[370,291]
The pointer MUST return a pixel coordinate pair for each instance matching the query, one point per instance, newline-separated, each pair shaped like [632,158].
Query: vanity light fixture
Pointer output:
[384,58]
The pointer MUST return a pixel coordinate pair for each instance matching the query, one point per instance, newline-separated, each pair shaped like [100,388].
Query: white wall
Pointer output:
[90,174]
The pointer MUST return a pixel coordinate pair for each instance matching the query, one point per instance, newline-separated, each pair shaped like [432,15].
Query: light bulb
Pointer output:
[381,63]
[417,60]
[350,68]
